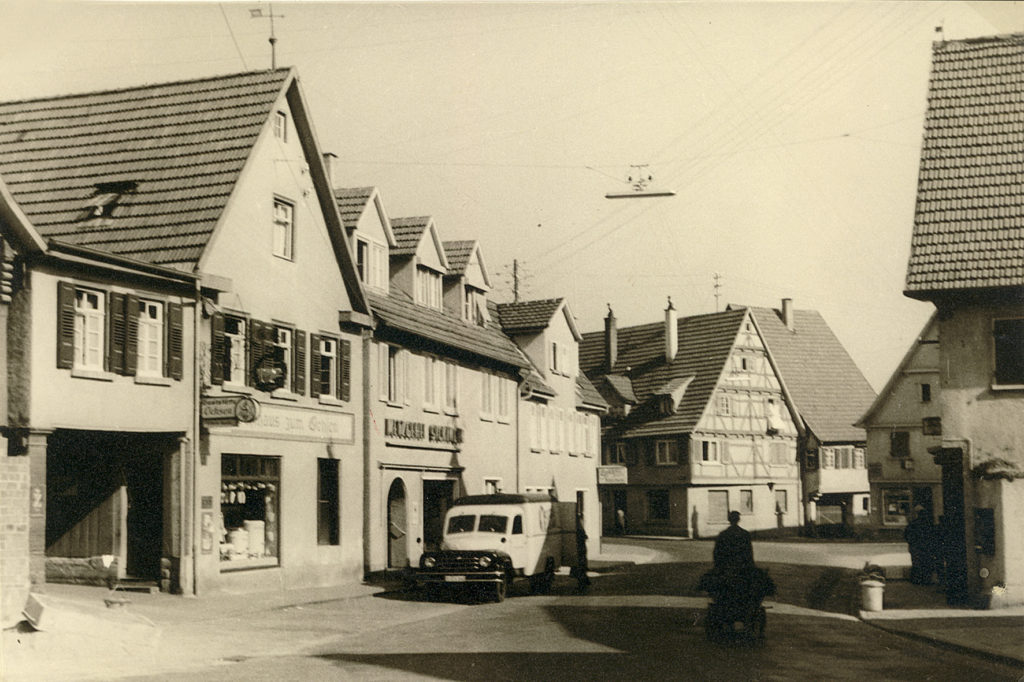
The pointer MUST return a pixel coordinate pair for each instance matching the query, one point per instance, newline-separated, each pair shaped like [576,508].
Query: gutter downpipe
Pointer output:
[190,496]
[366,336]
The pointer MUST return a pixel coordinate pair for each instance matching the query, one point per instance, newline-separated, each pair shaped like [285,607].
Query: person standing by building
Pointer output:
[620,521]
[733,551]
[581,568]
[921,540]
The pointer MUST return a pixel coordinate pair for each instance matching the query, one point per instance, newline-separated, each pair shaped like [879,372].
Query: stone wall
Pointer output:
[14,531]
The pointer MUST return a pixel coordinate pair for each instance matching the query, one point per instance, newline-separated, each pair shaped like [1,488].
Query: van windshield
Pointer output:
[461,524]
[493,524]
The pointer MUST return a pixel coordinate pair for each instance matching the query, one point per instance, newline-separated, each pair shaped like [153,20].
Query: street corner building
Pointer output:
[967,258]
[181,315]
[723,411]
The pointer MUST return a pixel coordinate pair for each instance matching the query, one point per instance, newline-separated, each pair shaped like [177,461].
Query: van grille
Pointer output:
[457,561]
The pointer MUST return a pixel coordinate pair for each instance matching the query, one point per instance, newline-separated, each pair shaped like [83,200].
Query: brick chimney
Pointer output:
[671,332]
[611,340]
[787,313]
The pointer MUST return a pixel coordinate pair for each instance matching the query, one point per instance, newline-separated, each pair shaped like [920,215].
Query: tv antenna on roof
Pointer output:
[258,14]
[640,180]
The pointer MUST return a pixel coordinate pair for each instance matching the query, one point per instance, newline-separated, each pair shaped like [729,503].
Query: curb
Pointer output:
[944,644]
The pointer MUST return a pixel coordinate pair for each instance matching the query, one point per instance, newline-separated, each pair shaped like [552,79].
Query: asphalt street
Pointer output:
[641,622]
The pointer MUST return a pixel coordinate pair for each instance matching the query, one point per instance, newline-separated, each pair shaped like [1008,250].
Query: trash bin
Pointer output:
[871,592]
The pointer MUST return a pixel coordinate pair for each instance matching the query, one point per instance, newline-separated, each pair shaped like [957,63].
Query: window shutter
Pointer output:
[344,369]
[723,452]
[314,365]
[65,325]
[131,334]
[299,362]
[254,342]
[217,349]
[175,341]
[116,324]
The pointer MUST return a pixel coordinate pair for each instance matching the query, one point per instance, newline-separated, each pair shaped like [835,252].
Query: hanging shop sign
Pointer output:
[229,408]
[420,432]
[612,474]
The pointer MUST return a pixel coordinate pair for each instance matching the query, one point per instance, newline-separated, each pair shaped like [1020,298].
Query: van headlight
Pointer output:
[484,561]
[429,562]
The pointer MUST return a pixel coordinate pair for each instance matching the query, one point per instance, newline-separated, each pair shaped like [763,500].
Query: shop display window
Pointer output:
[249,492]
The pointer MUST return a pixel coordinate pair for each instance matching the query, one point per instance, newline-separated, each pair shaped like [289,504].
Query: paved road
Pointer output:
[638,623]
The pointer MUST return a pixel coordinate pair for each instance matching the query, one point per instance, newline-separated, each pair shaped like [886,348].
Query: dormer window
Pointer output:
[281,126]
[428,287]
[372,262]
[474,306]
[103,202]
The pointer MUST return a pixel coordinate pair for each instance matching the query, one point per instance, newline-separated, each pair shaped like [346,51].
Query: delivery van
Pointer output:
[489,541]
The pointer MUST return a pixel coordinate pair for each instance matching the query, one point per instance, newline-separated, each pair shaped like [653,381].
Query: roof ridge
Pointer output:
[158,84]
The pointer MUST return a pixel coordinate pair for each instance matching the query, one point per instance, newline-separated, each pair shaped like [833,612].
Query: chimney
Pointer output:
[787,313]
[329,159]
[611,340]
[671,332]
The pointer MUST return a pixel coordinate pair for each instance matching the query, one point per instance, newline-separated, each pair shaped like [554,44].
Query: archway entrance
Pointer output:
[398,553]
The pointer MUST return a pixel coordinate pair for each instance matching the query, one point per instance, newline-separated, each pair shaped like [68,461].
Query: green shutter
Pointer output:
[314,365]
[65,325]
[299,362]
[115,332]
[175,341]
[217,348]
[345,369]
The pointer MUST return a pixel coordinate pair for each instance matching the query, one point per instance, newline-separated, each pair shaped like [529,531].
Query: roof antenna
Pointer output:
[941,30]
[258,14]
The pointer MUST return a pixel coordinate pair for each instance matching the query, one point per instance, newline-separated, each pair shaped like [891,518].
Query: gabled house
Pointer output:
[440,406]
[559,409]
[901,425]
[186,391]
[829,393]
[699,424]
[967,258]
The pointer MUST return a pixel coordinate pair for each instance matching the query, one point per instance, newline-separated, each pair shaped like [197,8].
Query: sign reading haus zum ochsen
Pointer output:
[420,433]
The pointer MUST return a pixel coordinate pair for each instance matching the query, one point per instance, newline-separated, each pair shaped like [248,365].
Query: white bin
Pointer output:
[871,592]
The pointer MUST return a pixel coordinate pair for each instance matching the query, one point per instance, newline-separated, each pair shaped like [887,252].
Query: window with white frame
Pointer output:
[451,388]
[150,353]
[428,287]
[429,383]
[89,333]
[723,406]
[474,306]
[709,451]
[283,340]
[326,380]
[492,486]
[486,395]
[501,386]
[371,261]
[284,228]
[281,126]
[234,350]
[397,374]
[666,452]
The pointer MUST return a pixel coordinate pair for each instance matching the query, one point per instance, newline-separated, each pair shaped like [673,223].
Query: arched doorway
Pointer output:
[398,553]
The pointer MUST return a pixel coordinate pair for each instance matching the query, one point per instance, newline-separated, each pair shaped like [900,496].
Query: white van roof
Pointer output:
[503,498]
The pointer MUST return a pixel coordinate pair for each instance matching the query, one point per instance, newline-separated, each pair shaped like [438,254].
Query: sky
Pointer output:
[789,133]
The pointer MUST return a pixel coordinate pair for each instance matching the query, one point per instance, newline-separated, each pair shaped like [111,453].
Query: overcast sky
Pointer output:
[789,132]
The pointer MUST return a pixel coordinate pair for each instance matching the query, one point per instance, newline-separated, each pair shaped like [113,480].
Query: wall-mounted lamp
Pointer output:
[771,485]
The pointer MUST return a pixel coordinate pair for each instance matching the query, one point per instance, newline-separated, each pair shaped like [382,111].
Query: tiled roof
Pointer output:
[397,310]
[165,157]
[408,232]
[527,316]
[352,203]
[587,395]
[458,254]
[969,221]
[705,342]
[828,388]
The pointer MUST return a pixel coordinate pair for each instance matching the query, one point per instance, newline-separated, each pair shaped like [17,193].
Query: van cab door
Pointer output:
[517,548]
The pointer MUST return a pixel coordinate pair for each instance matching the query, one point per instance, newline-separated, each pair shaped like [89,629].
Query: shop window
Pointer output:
[1008,341]
[781,501]
[899,444]
[747,501]
[250,493]
[658,508]
[895,505]
[328,513]
[718,507]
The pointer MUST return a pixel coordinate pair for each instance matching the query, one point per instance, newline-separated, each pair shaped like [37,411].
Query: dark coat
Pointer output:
[733,550]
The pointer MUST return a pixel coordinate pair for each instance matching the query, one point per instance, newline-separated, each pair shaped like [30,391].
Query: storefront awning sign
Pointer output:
[612,475]
[229,408]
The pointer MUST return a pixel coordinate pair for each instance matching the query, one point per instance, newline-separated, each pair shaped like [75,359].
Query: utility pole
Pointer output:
[717,286]
[258,14]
